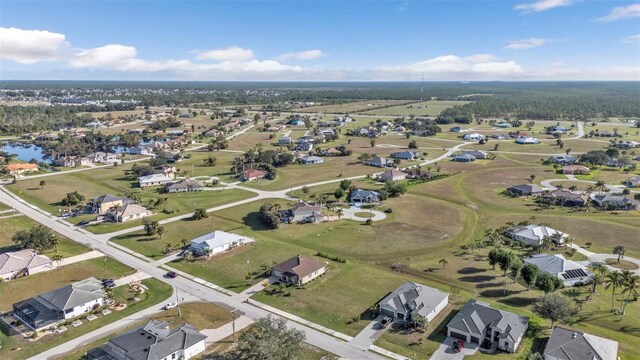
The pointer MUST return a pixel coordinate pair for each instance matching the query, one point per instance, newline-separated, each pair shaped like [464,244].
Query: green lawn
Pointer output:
[9,226]
[29,286]
[16,347]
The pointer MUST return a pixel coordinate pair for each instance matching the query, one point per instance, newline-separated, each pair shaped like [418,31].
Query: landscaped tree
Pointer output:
[270,215]
[210,161]
[413,144]
[530,274]
[531,178]
[72,199]
[554,307]
[601,185]
[630,285]
[57,258]
[150,226]
[444,262]
[339,194]
[619,250]
[516,269]
[269,339]
[200,214]
[372,142]
[548,283]
[340,212]
[613,280]
[207,253]
[161,231]
[42,184]
[493,256]
[505,260]
[39,238]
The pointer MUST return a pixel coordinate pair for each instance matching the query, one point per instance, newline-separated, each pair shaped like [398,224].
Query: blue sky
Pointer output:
[320,40]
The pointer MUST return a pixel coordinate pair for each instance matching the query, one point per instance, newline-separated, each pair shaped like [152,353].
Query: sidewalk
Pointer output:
[226,330]
[139,276]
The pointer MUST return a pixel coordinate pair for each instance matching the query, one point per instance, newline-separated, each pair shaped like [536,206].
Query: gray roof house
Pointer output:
[185,185]
[378,162]
[567,344]
[464,158]
[478,321]
[569,272]
[217,241]
[67,302]
[360,196]
[302,213]
[410,299]
[478,154]
[311,160]
[533,234]
[615,201]
[154,341]
[405,155]
[525,190]
[562,159]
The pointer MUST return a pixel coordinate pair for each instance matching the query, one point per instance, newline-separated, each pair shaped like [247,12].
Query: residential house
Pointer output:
[532,235]
[185,185]
[186,115]
[20,168]
[379,162]
[285,141]
[562,159]
[605,133]
[328,132]
[392,175]
[360,196]
[103,204]
[412,299]
[128,212]
[405,155]
[503,125]
[457,129]
[478,321]
[72,161]
[413,173]
[478,154]
[50,308]
[304,146]
[464,158]
[525,190]
[253,174]
[217,242]
[613,162]
[564,197]
[627,144]
[567,344]
[575,170]
[474,137]
[298,270]
[311,160]
[615,201]
[21,263]
[173,157]
[141,150]
[332,151]
[302,213]
[569,272]
[154,341]
[102,157]
[526,140]
[213,133]
[153,180]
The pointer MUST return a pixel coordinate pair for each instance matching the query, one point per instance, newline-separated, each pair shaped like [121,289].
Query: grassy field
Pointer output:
[352,107]
[9,226]
[29,286]
[16,347]
[428,108]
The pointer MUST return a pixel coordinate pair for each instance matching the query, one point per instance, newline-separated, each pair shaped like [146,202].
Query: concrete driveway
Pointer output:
[350,213]
[445,351]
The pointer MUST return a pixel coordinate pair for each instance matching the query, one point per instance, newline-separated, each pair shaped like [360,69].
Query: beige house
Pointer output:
[131,212]
[299,270]
[104,203]
[393,175]
[23,262]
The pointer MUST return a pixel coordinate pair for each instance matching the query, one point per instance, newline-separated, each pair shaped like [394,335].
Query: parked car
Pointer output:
[109,285]
[84,222]
[107,280]
[172,274]
[170,305]
[458,345]
[385,322]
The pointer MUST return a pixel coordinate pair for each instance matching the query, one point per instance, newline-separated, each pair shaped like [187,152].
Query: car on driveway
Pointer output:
[109,284]
[170,305]
[172,274]
[385,322]
[458,345]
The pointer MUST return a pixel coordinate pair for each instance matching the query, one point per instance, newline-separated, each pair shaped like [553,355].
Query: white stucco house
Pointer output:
[22,262]
[532,235]
[217,241]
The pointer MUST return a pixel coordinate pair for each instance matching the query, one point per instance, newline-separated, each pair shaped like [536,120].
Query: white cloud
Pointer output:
[111,55]
[633,39]
[302,55]
[526,44]
[481,58]
[543,5]
[622,12]
[233,53]
[30,46]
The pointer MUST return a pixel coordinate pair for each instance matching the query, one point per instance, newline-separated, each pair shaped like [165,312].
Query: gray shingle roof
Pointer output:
[73,295]
[566,344]
[410,297]
[476,316]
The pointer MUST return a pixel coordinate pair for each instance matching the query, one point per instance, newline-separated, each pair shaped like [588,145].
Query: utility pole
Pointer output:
[233,325]
[178,303]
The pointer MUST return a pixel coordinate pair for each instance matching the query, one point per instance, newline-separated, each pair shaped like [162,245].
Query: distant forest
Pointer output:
[522,100]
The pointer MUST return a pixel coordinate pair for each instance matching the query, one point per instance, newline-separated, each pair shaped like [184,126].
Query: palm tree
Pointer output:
[613,280]
[161,231]
[596,278]
[630,283]
[573,188]
[116,209]
[54,240]
[545,244]
[167,247]
[207,252]
[619,250]
[183,242]
[42,184]
[531,178]
[340,212]
[57,258]
[587,204]
[601,185]
[444,262]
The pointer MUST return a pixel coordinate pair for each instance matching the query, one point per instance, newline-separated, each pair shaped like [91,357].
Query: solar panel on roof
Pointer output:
[575,273]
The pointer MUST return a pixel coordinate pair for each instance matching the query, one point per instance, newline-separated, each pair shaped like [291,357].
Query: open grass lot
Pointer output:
[252,138]
[352,107]
[610,175]
[199,314]
[29,286]
[9,226]
[428,108]
[156,293]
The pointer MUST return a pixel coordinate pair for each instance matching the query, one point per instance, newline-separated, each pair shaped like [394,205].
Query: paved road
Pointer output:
[594,257]
[184,284]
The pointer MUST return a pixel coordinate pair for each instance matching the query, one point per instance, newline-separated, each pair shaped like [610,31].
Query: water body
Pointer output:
[25,152]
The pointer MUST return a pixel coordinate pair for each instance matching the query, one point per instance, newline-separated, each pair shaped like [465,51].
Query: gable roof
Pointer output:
[107,199]
[534,232]
[22,259]
[361,193]
[557,265]
[185,183]
[411,297]
[569,344]
[131,209]
[300,265]
[476,316]
[154,178]
[21,166]
[251,173]
[218,238]
[73,295]
[531,188]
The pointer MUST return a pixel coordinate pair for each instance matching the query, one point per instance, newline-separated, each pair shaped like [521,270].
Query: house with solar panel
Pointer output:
[569,272]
